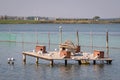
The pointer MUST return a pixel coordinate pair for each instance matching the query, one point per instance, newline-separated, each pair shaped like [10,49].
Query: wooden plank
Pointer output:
[37,55]
[56,56]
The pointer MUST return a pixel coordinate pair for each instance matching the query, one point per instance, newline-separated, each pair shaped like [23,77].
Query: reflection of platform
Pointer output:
[51,56]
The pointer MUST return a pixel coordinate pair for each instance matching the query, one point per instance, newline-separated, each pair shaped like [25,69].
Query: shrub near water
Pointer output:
[59,21]
[18,22]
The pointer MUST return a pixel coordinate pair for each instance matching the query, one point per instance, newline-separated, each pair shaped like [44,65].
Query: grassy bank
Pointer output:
[59,21]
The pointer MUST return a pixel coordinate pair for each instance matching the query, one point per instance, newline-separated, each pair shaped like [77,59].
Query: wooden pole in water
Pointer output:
[37,59]
[94,61]
[65,62]
[24,58]
[79,62]
[60,30]
[77,38]
[107,47]
[51,62]
[107,39]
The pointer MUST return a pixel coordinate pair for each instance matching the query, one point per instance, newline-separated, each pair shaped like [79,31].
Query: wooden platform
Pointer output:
[51,56]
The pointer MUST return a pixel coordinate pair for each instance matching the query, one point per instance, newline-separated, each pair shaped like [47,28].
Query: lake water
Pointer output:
[16,38]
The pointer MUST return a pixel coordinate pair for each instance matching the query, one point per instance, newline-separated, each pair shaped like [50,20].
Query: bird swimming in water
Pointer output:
[11,60]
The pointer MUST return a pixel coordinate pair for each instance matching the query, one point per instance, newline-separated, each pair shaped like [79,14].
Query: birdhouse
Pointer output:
[40,48]
[65,54]
[99,54]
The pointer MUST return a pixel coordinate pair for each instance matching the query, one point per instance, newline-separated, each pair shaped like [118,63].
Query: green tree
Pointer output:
[96,17]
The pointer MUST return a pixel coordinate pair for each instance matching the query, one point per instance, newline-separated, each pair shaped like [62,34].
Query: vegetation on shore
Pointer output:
[62,21]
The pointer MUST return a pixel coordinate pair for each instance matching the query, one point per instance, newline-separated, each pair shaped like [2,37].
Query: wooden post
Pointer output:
[77,38]
[79,62]
[65,62]
[107,47]
[94,61]
[109,61]
[37,59]
[107,39]
[51,62]
[60,30]
[24,58]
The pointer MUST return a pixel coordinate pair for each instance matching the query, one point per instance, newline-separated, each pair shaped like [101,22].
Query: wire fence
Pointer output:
[86,39]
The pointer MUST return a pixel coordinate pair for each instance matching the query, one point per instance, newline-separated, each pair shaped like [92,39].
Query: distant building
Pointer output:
[36,18]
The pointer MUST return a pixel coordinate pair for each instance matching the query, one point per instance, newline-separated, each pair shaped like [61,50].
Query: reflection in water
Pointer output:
[98,67]
[107,52]
[98,71]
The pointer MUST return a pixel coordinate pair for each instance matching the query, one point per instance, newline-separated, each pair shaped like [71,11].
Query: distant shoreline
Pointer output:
[61,21]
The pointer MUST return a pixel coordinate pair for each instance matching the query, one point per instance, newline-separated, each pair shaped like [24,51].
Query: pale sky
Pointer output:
[61,8]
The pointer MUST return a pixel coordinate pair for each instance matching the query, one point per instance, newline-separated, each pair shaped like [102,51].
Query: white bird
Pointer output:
[12,59]
[55,49]
[9,59]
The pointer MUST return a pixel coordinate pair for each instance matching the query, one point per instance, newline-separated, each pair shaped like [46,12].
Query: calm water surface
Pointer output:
[43,71]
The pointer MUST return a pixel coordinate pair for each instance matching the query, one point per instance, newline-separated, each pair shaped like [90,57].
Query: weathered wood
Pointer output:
[107,44]
[37,55]
[65,62]
[94,61]
[37,60]
[79,62]
[77,39]
[24,58]
[107,40]
[51,62]
[109,61]
[55,56]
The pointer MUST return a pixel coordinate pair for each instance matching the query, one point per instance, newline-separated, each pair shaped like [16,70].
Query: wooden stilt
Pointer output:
[24,58]
[77,34]
[51,62]
[109,61]
[107,46]
[79,62]
[65,62]
[94,61]
[37,59]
